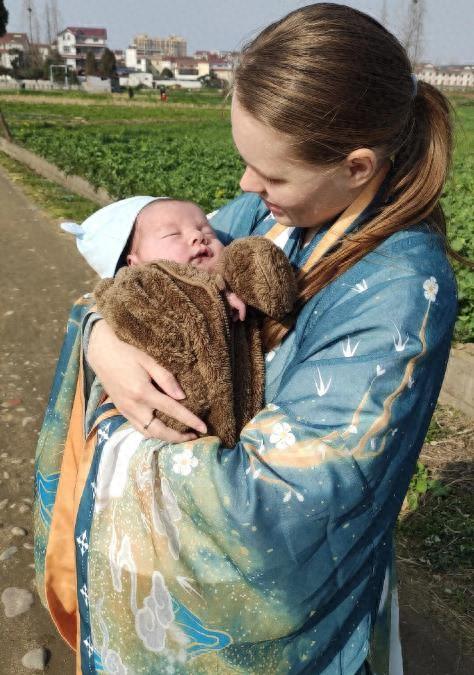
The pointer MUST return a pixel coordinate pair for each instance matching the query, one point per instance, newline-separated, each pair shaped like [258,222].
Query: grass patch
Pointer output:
[435,534]
[58,202]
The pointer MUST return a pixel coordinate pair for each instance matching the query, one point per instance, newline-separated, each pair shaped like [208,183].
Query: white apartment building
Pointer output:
[456,77]
[10,45]
[74,43]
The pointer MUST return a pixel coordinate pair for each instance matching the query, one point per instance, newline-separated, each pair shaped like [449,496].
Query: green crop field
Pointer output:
[185,149]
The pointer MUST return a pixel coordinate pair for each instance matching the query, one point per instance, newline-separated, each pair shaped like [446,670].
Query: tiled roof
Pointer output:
[87,32]
[14,37]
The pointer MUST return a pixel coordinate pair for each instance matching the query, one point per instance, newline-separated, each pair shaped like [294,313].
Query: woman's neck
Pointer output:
[309,234]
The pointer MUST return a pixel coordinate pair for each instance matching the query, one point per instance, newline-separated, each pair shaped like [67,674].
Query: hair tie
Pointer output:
[414,79]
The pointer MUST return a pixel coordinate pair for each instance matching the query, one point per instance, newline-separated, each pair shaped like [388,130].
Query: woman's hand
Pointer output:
[127,375]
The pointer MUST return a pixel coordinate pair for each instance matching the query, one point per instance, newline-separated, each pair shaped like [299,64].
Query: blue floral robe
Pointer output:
[272,556]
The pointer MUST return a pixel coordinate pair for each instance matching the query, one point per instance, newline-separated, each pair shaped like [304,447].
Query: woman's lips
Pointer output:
[273,208]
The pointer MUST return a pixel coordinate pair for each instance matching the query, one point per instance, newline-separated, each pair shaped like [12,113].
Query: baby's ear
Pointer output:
[132,260]
[260,274]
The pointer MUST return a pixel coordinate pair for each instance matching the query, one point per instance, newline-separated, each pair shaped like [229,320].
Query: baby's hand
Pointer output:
[238,306]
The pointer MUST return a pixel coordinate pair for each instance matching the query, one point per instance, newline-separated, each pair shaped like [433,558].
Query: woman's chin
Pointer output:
[283,219]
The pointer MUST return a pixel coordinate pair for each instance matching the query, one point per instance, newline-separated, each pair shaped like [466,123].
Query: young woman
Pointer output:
[273,556]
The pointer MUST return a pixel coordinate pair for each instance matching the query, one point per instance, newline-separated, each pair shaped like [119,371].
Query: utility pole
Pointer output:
[29,9]
[413,33]
[55,18]
[31,17]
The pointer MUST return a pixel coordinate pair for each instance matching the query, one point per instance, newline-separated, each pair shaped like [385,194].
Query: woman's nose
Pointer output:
[250,182]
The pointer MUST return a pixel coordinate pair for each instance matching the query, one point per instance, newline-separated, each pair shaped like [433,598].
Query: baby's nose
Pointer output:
[198,238]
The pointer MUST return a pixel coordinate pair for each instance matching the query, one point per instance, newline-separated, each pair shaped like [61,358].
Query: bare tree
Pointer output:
[413,30]
[384,13]
[55,18]
[28,15]
[47,23]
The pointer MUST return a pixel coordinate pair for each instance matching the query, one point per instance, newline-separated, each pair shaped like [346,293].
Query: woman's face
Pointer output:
[297,193]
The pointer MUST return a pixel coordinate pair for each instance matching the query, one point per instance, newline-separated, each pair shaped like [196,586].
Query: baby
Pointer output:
[168,229]
[170,288]
[162,229]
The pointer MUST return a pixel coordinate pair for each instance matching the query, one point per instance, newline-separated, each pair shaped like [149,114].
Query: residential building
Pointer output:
[205,55]
[119,57]
[11,46]
[455,77]
[75,42]
[149,47]
[224,71]
[181,67]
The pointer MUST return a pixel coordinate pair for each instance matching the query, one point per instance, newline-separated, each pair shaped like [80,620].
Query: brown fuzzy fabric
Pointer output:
[179,315]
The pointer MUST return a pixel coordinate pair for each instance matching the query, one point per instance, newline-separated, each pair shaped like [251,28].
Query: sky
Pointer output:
[227,24]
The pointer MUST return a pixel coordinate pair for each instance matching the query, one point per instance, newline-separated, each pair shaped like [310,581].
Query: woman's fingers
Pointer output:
[163,378]
[163,403]
[157,429]
[126,374]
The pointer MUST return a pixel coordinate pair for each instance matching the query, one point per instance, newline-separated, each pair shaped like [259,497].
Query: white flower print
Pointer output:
[185,462]
[431,289]
[281,436]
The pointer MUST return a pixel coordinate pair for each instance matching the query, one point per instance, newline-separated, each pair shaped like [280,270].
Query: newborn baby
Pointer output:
[168,229]
[175,292]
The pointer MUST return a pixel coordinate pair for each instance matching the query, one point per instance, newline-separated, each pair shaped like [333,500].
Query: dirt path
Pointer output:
[41,275]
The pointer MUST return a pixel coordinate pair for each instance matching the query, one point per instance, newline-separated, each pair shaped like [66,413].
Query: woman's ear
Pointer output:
[132,260]
[361,165]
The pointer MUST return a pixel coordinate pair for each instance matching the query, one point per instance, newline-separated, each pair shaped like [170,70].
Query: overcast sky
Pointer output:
[217,24]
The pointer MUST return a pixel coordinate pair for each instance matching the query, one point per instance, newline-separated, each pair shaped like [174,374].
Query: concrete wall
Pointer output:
[458,385]
[36,85]
[44,168]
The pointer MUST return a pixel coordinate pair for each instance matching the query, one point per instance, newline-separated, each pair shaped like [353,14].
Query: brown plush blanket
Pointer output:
[180,316]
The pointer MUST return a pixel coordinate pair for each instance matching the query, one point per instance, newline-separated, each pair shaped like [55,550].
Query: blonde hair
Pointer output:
[334,80]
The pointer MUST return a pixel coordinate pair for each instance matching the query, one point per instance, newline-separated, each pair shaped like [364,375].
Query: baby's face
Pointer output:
[178,231]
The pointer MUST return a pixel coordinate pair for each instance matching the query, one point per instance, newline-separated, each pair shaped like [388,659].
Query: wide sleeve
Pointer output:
[319,475]
[284,539]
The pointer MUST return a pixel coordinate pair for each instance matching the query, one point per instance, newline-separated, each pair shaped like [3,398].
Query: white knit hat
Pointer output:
[103,236]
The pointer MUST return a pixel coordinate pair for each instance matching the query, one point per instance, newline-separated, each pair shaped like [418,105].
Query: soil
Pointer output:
[42,275]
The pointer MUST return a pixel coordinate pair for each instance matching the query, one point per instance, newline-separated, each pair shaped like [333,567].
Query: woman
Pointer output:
[271,557]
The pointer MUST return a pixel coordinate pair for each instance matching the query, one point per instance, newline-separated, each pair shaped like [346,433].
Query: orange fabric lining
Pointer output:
[60,563]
